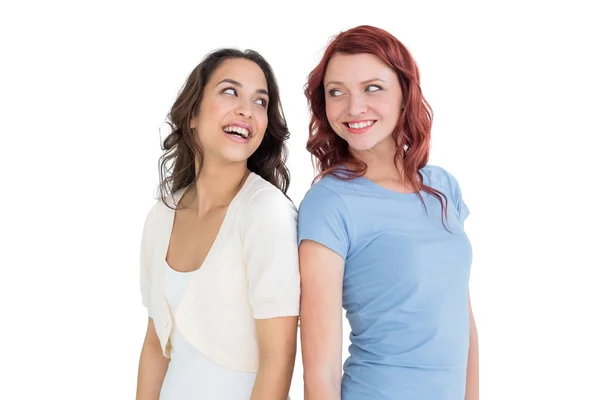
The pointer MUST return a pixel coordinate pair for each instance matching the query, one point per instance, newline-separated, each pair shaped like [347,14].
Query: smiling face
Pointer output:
[232,117]
[363,100]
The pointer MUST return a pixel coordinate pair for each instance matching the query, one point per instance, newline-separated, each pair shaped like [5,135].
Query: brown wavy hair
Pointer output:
[412,134]
[181,148]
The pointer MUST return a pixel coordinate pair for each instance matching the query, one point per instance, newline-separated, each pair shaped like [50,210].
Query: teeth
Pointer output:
[360,124]
[242,131]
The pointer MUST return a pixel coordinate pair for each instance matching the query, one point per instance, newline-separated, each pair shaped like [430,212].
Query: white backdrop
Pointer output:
[86,85]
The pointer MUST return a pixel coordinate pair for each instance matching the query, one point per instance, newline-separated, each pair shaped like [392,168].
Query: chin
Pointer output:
[235,156]
[361,145]
[370,142]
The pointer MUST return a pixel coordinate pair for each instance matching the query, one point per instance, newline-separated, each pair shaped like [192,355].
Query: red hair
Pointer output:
[412,134]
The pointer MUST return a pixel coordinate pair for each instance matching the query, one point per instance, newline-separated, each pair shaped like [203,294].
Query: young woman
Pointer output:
[381,235]
[219,259]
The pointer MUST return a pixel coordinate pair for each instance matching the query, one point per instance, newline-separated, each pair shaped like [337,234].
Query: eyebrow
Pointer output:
[362,83]
[236,83]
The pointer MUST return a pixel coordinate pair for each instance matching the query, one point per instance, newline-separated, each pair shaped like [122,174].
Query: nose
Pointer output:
[356,105]
[243,109]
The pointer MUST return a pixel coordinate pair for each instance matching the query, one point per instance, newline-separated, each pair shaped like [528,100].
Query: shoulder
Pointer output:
[262,197]
[151,214]
[442,180]
[324,217]
[327,192]
[325,201]
[439,178]
[151,223]
[161,206]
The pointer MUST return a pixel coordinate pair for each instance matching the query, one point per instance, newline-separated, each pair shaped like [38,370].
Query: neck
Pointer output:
[217,185]
[380,161]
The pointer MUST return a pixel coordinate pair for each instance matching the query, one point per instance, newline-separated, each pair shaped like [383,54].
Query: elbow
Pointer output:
[473,337]
[320,383]
[281,363]
[473,334]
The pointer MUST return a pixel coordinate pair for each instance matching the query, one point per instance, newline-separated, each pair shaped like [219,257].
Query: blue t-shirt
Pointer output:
[405,288]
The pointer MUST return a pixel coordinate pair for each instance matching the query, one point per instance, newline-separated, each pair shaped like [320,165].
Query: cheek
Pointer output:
[390,105]
[262,120]
[333,111]
[210,111]
[389,109]
[220,108]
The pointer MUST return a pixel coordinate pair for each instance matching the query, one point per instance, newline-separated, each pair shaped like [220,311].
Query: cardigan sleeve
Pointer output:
[270,251]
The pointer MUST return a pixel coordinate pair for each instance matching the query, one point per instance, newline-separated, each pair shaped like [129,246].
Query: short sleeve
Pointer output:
[323,218]
[461,206]
[145,259]
[270,253]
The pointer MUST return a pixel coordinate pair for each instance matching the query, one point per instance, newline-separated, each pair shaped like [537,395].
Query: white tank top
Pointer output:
[191,375]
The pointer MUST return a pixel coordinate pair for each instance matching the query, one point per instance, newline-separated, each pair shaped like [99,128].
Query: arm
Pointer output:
[472,392]
[321,277]
[277,354]
[271,256]
[152,366]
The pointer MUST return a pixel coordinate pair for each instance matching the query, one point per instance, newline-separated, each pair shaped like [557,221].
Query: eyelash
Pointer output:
[331,92]
[375,86]
[264,101]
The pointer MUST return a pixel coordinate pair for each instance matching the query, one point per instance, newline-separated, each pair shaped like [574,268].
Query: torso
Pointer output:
[200,290]
[191,374]
[405,291]
[192,238]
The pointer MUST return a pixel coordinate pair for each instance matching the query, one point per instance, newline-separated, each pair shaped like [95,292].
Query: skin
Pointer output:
[359,88]
[236,94]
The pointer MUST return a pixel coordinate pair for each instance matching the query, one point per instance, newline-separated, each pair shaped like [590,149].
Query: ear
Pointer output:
[193,122]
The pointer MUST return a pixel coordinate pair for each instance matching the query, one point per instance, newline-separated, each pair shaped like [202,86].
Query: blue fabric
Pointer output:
[405,288]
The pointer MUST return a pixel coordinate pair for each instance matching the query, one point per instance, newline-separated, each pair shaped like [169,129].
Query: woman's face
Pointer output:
[363,100]
[232,117]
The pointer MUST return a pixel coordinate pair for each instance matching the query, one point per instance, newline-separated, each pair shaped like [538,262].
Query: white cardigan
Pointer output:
[251,272]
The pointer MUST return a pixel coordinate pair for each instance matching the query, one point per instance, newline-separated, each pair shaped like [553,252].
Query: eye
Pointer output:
[230,90]
[263,102]
[335,92]
[373,88]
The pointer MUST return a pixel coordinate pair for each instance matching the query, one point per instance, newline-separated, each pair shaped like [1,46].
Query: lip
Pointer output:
[241,125]
[358,131]
[237,139]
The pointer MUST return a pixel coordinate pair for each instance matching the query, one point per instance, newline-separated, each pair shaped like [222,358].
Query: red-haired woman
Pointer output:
[381,235]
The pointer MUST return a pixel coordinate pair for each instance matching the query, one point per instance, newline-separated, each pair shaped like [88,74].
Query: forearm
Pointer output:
[273,379]
[151,373]
[320,387]
[472,386]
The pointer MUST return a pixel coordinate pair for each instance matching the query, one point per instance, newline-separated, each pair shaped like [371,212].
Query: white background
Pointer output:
[85,87]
